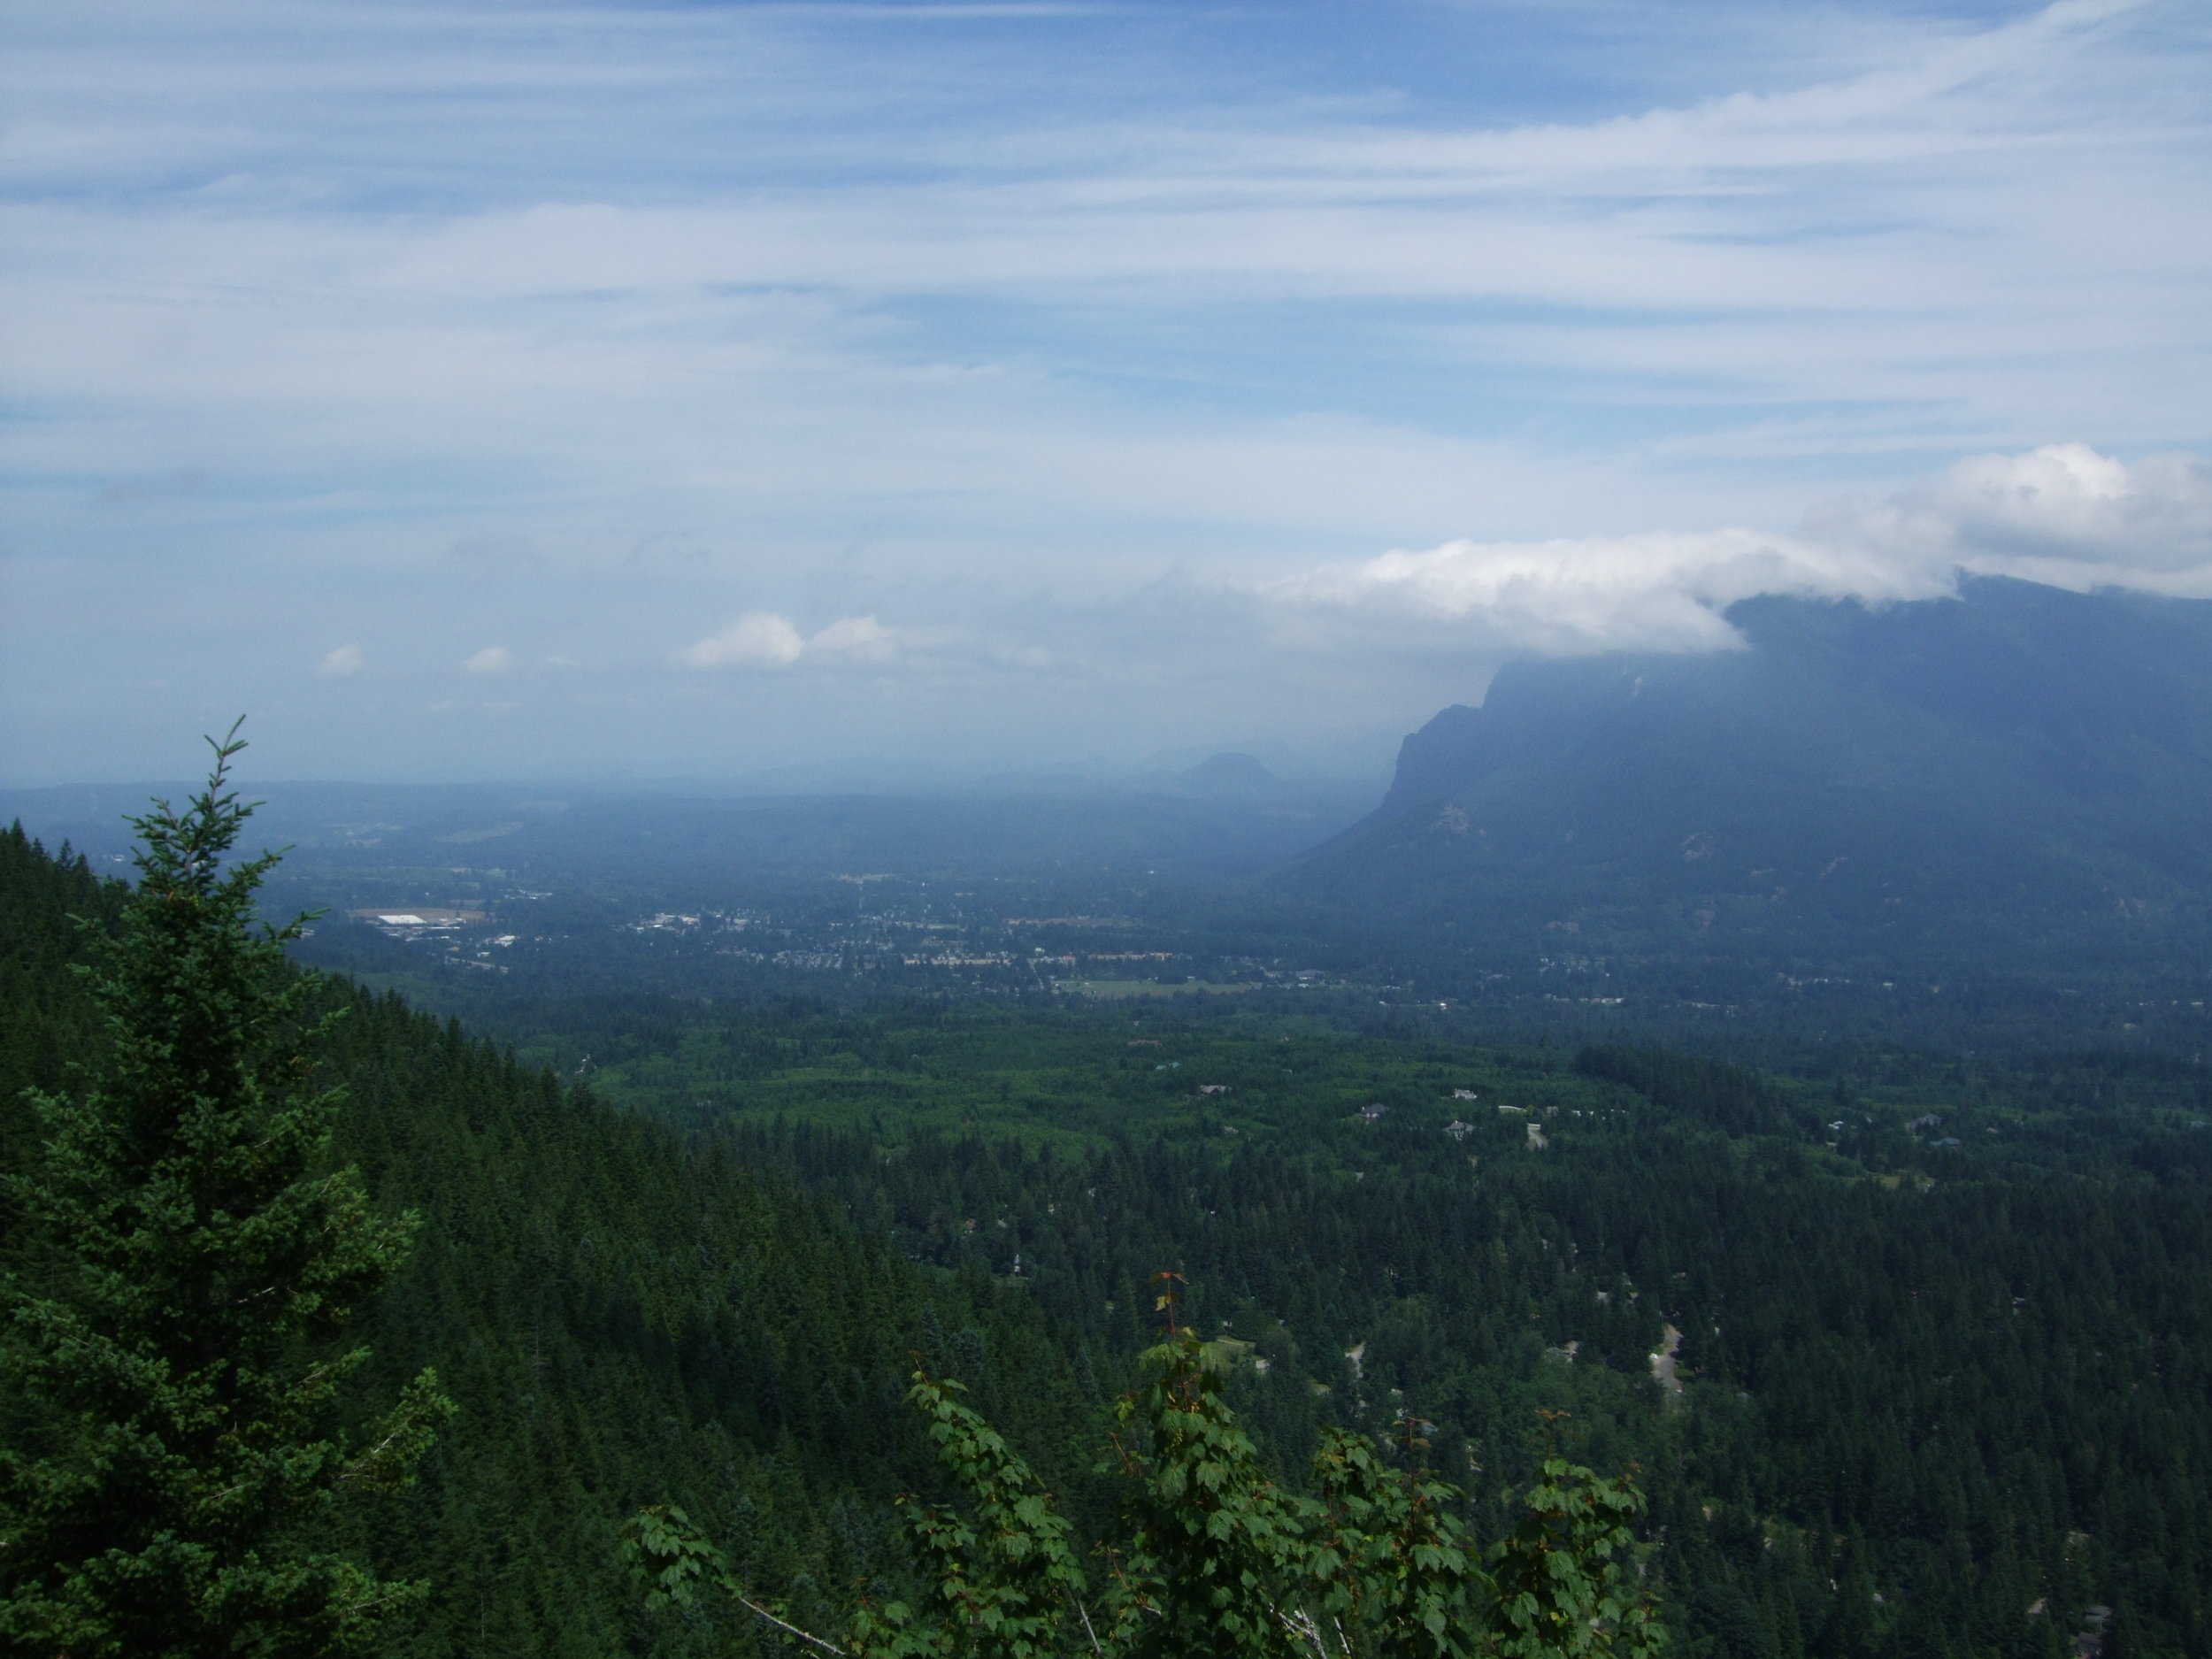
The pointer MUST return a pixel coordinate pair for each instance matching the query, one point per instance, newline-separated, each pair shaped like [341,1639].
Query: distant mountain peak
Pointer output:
[1228,775]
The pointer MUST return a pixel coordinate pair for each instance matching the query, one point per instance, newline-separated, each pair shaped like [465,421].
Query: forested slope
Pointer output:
[621,1321]
[1945,1384]
[48,1019]
[1962,1365]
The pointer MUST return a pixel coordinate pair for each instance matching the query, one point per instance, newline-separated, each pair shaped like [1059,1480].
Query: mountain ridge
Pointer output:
[2018,745]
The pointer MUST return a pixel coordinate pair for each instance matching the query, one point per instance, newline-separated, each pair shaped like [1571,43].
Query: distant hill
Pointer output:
[1229,775]
[1229,816]
[2020,765]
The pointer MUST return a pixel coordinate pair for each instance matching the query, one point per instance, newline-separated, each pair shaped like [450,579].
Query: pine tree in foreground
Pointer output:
[169,1362]
[1215,1559]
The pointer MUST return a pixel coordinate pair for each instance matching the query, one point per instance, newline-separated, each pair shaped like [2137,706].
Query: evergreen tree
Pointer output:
[169,1357]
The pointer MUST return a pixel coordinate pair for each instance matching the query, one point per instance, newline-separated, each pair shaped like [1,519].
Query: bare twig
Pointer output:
[1304,1627]
[759,1611]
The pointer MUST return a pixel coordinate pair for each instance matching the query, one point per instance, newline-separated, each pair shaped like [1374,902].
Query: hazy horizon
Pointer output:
[845,775]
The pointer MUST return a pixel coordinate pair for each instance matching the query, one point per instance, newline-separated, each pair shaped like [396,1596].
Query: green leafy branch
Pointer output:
[1215,1559]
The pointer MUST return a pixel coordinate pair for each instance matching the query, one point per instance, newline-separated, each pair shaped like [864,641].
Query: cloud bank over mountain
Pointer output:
[2061,514]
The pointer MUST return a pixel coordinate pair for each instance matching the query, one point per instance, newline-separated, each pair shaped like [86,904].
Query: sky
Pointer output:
[924,389]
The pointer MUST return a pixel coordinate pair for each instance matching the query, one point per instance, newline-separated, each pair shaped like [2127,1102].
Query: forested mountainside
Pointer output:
[1924,1387]
[2017,769]
[1947,1329]
[621,1321]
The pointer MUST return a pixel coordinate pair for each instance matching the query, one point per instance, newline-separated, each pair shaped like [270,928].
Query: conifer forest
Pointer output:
[479,1314]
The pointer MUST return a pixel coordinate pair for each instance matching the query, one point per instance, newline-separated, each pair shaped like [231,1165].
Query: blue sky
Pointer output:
[530,390]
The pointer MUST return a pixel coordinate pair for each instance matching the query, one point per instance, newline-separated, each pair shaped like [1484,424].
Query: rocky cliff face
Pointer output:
[1914,765]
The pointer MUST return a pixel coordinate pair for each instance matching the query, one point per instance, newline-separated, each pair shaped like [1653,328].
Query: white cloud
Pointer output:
[766,639]
[1657,591]
[493,659]
[759,639]
[2062,514]
[853,639]
[346,660]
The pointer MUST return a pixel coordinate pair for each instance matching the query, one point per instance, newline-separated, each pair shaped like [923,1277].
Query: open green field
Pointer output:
[1119,990]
